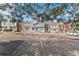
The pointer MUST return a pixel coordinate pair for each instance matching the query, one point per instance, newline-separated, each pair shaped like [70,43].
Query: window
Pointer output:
[4,23]
[27,28]
[54,25]
[54,29]
[33,28]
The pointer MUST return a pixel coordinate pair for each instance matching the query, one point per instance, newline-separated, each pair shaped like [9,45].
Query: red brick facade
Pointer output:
[64,27]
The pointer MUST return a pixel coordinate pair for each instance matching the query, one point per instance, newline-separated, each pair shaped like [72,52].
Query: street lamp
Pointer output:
[74,21]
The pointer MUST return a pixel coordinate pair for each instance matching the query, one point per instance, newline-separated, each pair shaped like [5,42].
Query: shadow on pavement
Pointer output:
[17,47]
[34,48]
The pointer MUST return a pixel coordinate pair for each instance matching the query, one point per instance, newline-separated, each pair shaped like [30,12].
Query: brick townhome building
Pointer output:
[47,26]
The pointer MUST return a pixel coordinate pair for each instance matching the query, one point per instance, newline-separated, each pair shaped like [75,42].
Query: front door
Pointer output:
[46,28]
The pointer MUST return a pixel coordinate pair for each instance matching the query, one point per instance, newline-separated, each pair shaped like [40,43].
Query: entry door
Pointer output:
[46,28]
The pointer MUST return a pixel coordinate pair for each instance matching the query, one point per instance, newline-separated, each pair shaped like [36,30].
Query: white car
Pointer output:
[74,33]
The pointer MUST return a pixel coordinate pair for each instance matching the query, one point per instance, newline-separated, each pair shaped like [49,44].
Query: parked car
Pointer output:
[73,33]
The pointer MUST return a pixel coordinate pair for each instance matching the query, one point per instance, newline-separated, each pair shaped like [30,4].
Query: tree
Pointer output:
[58,10]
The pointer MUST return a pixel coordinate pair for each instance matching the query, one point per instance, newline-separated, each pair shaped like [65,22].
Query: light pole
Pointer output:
[74,22]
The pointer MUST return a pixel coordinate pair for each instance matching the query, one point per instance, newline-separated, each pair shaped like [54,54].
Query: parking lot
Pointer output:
[38,44]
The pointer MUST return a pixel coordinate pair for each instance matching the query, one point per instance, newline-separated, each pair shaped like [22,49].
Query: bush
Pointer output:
[8,30]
